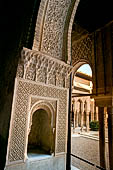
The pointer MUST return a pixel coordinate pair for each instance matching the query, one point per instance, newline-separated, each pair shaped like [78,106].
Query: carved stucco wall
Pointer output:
[39,67]
[82,50]
[42,65]
[50,27]
[20,116]
[54,24]
[35,68]
[53,31]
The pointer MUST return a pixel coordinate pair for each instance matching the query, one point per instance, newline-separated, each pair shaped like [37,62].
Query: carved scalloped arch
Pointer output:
[45,106]
[54,26]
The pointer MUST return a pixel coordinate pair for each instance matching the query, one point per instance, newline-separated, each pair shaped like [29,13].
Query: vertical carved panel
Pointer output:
[52,38]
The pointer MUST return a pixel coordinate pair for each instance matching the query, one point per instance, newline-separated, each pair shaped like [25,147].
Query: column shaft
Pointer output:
[97,114]
[92,110]
[87,121]
[76,119]
[102,137]
[110,136]
[82,118]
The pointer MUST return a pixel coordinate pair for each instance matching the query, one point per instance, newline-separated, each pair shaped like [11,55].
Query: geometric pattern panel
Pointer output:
[82,50]
[18,128]
[53,29]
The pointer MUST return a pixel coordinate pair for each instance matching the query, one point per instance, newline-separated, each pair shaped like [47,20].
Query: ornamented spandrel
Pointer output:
[82,50]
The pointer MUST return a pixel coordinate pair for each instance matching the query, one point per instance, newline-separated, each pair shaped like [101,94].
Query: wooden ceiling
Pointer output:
[94,14]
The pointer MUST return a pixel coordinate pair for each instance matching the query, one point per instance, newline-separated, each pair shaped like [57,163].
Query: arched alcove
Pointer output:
[40,137]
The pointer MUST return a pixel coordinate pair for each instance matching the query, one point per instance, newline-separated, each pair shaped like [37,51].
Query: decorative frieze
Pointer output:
[39,67]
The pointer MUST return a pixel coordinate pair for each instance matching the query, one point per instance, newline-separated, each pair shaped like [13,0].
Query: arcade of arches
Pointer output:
[43,46]
[83,109]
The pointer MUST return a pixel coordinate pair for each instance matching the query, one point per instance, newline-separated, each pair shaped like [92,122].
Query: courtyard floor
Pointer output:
[86,145]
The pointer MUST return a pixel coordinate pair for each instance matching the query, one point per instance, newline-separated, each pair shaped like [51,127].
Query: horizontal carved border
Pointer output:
[40,67]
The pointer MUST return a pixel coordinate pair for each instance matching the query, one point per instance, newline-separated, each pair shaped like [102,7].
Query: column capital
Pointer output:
[87,113]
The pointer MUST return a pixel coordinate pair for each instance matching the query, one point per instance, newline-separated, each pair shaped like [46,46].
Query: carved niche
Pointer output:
[27,94]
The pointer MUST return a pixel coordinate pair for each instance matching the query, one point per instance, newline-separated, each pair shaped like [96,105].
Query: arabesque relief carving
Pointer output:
[50,33]
[24,91]
[82,50]
[49,105]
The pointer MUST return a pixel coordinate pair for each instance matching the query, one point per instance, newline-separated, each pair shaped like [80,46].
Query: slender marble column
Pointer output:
[77,113]
[82,115]
[74,109]
[74,120]
[87,121]
[92,110]
[87,114]
[97,114]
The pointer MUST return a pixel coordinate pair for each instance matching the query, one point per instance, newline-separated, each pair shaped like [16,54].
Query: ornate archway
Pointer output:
[42,125]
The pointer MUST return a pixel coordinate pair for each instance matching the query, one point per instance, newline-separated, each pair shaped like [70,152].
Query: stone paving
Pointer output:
[86,146]
[74,168]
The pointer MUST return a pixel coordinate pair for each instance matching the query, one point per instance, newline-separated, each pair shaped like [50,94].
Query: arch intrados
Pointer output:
[76,3]
[77,65]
